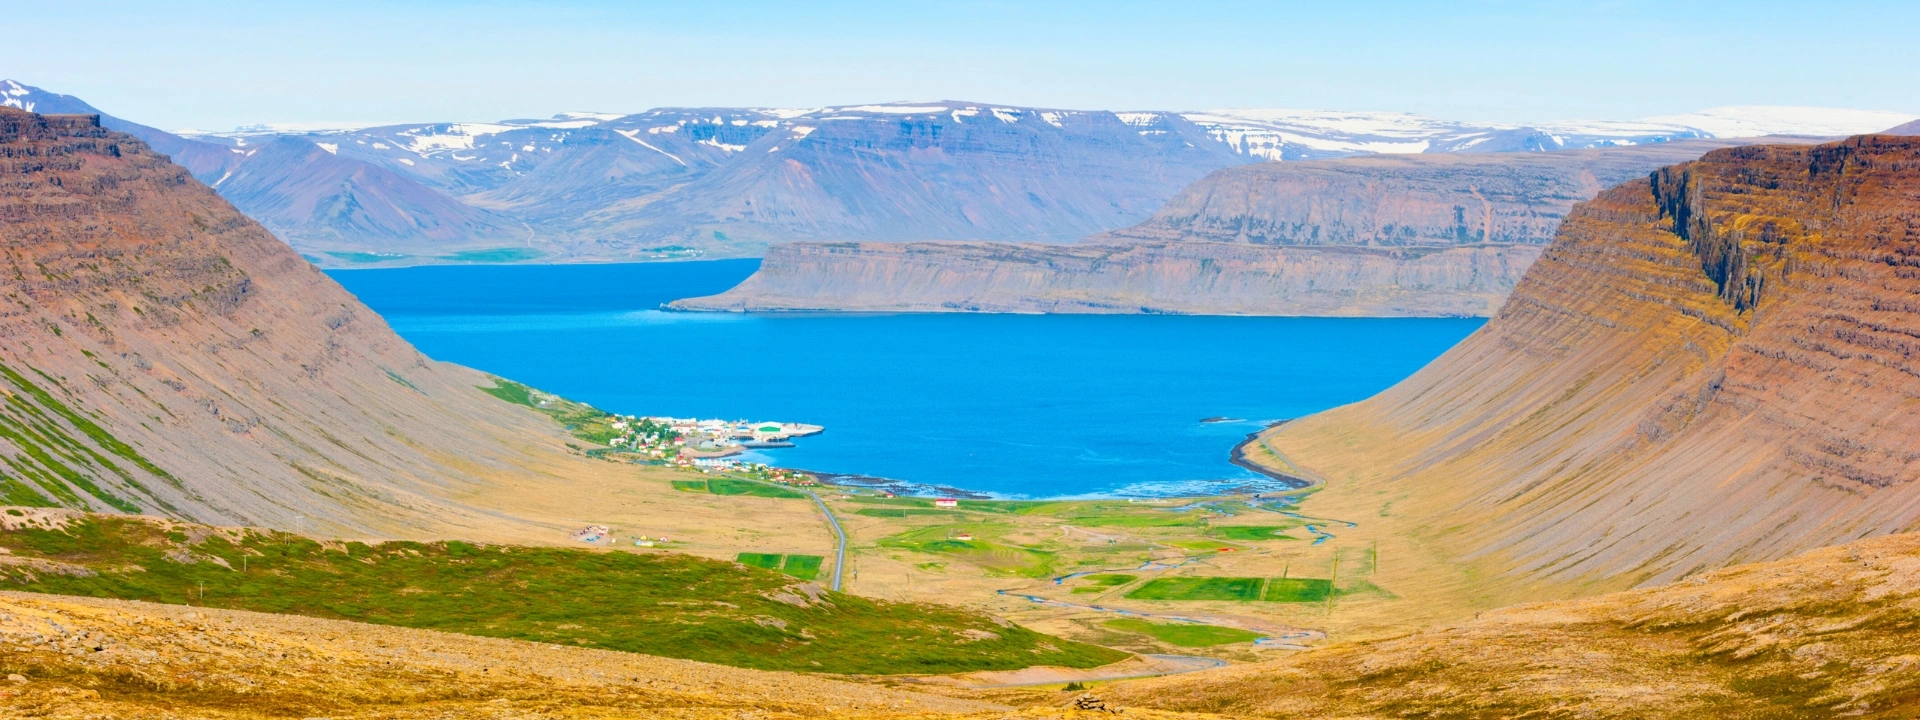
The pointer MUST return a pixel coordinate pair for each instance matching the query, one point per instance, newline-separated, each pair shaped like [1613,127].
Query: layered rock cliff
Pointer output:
[1399,200]
[1422,235]
[162,353]
[1164,277]
[1717,365]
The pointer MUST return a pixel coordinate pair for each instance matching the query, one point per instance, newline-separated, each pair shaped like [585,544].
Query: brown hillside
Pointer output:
[164,354]
[1720,365]
[1827,634]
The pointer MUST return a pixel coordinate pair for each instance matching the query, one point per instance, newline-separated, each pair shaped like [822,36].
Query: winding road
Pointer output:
[840,556]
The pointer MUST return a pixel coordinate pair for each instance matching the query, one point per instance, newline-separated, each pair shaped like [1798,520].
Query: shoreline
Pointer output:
[1236,456]
[1239,457]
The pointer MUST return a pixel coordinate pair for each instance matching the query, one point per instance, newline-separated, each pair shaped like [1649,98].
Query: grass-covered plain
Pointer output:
[1251,533]
[1198,588]
[730,486]
[657,603]
[1298,589]
[1184,634]
[979,545]
[805,567]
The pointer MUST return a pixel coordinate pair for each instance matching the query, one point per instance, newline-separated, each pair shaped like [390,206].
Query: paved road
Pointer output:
[840,558]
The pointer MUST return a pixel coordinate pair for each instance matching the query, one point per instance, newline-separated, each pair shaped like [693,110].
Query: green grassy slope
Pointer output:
[659,603]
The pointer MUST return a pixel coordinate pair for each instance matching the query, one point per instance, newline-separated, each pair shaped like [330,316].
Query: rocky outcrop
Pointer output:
[1185,278]
[1401,200]
[1713,366]
[162,353]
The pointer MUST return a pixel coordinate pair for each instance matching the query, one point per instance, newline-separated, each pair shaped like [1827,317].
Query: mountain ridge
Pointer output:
[152,329]
[679,183]
[1709,367]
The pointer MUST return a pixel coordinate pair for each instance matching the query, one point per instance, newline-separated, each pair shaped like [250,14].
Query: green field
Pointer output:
[1184,635]
[765,561]
[805,567]
[1298,589]
[1096,584]
[901,512]
[655,603]
[1251,533]
[495,255]
[1198,588]
[697,486]
[730,486]
[984,550]
[896,502]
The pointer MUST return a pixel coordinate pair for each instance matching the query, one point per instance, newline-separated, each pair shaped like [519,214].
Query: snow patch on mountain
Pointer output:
[1757,120]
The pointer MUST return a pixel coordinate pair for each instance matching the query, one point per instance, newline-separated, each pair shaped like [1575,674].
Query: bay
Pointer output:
[1008,405]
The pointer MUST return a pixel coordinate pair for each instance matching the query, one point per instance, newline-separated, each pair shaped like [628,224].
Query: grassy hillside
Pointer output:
[1832,633]
[658,603]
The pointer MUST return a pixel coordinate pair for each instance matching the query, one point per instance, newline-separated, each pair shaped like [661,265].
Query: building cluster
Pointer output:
[671,438]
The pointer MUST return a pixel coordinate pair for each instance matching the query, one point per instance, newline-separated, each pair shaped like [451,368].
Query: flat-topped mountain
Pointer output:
[1709,367]
[1192,278]
[165,354]
[1383,235]
[674,183]
[1401,200]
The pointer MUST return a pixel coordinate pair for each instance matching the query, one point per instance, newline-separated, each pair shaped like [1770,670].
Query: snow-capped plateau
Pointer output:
[731,181]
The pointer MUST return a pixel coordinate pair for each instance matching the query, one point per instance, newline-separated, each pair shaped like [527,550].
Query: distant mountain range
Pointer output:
[716,182]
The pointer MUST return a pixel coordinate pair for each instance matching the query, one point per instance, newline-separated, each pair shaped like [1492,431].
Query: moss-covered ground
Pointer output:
[657,603]
[1198,588]
[1184,634]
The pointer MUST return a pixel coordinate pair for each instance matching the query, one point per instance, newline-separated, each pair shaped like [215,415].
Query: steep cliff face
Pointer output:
[1715,366]
[1425,235]
[1196,278]
[1401,200]
[161,353]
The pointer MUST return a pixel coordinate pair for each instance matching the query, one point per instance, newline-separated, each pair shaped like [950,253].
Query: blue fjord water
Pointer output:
[1012,405]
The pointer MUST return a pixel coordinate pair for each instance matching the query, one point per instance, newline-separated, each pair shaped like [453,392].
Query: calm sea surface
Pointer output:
[1013,405]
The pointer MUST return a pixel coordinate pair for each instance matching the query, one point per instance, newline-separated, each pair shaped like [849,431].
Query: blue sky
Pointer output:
[214,65]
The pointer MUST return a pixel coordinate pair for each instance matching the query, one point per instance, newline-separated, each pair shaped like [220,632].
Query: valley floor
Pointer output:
[67,657]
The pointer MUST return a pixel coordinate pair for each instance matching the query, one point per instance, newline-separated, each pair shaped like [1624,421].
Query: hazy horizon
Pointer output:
[219,65]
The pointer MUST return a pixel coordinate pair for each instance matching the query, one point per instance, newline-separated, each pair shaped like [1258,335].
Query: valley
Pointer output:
[1671,475]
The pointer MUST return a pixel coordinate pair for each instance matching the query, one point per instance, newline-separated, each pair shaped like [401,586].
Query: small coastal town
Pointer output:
[708,445]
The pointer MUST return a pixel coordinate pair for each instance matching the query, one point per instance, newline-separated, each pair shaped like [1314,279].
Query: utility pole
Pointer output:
[1335,582]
